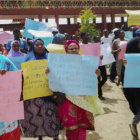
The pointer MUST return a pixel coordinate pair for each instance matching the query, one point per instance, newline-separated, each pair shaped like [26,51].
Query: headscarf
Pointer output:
[12,53]
[70,42]
[58,39]
[31,55]
[137,31]
[132,45]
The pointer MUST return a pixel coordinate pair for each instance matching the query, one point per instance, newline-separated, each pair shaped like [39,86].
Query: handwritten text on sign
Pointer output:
[35,80]
[73,74]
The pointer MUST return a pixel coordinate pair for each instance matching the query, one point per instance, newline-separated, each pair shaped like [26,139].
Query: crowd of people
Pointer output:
[46,116]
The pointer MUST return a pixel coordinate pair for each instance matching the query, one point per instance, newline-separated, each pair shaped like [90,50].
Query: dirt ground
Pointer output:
[114,124]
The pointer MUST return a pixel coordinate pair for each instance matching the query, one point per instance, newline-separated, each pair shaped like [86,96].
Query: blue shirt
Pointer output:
[23,44]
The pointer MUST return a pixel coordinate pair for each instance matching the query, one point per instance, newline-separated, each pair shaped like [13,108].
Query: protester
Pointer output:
[106,39]
[41,114]
[115,50]
[59,39]
[74,37]
[1,49]
[113,72]
[55,31]
[15,49]
[23,43]
[8,130]
[85,37]
[67,36]
[74,110]
[132,94]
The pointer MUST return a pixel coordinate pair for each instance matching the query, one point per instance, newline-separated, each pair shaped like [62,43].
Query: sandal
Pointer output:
[133,129]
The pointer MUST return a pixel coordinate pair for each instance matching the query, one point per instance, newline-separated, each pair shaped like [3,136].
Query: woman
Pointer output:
[59,39]
[15,49]
[133,94]
[76,112]
[8,130]
[38,122]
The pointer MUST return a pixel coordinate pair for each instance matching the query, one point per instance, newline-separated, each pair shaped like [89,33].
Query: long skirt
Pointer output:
[76,120]
[41,118]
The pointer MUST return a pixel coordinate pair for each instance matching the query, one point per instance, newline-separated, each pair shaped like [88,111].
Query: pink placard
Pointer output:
[91,50]
[4,37]
[122,52]
[11,85]
[11,111]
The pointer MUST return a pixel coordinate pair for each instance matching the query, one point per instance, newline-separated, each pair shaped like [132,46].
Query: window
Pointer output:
[71,20]
[108,18]
[125,19]
[117,19]
[98,19]
[62,20]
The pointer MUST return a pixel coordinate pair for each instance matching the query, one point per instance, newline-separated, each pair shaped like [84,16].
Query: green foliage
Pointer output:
[87,24]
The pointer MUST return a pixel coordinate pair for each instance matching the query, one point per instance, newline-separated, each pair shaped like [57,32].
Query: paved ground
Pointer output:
[113,125]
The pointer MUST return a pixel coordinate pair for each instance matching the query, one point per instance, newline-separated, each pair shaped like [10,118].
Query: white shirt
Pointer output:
[105,40]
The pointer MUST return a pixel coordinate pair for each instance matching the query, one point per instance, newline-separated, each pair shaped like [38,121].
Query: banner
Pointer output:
[11,86]
[133,17]
[73,74]
[132,71]
[11,108]
[17,61]
[128,35]
[35,79]
[91,50]
[36,29]
[11,111]
[55,48]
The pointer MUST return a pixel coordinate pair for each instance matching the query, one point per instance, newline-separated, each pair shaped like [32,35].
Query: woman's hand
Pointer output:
[2,72]
[101,57]
[98,72]
[124,62]
[47,71]
[118,50]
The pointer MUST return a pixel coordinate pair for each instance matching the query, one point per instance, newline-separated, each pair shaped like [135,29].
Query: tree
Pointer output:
[87,22]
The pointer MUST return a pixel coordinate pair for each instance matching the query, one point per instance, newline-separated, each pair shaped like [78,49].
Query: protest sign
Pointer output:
[17,61]
[35,79]
[132,69]
[11,85]
[11,111]
[73,74]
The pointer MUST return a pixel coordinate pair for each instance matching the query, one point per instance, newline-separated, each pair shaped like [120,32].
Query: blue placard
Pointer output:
[128,35]
[36,26]
[33,25]
[17,61]
[132,71]
[73,74]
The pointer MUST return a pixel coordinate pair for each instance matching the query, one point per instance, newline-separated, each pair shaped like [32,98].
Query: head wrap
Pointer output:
[136,27]
[137,31]
[70,42]
[58,39]
[12,53]
[31,55]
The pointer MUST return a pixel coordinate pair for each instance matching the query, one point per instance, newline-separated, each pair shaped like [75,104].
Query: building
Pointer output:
[110,13]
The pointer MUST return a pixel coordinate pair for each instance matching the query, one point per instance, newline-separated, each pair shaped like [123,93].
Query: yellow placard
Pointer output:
[35,80]
[55,48]
[133,17]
